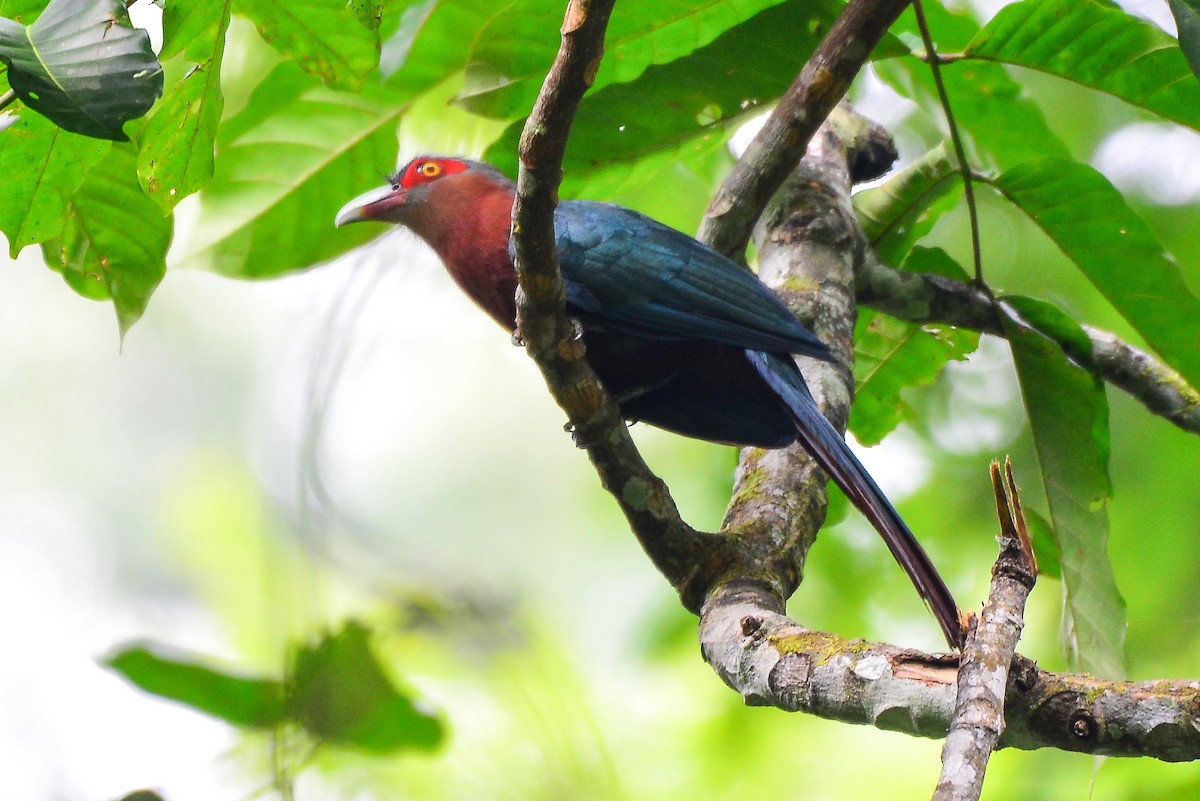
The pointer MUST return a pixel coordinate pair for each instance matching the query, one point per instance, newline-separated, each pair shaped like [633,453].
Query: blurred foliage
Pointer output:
[336,691]
[562,665]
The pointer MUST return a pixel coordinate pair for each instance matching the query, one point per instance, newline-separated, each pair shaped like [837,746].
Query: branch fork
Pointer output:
[738,580]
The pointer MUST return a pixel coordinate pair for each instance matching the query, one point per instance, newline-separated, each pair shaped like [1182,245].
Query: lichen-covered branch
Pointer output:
[923,298]
[978,719]
[808,244]
[774,661]
[744,574]
[783,139]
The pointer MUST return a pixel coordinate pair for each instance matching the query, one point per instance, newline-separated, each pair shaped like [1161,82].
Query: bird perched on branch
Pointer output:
[682,337]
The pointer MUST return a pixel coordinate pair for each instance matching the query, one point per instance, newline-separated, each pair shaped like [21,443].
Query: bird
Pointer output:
[682,337]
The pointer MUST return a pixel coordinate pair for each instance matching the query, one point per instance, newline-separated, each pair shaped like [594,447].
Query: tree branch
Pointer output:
[978,719]
[774,661]
[684,555]
[783,139]
[923,298]
[809,244]
[765,656]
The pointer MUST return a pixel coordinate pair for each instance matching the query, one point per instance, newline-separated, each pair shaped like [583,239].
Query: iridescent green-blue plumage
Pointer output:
[682,337]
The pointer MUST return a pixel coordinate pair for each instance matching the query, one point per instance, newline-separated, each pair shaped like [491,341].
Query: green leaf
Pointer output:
[432,40]
[42,167]
[1187,21]
[283,85]
[891,355]
[905,207]
[83,65]
[625,133]
[1068,415]
[368,13]
[1091,223]
[1098,46]
[417,19]
[175,157]
[23,11]
[1000,123]
[513,53]
[270,206]
[322,36]
[114,244]
[1045,547]
[193,27]
[341,695]
[252,703]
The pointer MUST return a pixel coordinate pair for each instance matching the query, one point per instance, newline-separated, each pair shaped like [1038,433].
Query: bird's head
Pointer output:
[414,185]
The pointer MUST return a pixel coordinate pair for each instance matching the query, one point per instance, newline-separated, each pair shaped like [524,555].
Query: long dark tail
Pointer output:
[829,448]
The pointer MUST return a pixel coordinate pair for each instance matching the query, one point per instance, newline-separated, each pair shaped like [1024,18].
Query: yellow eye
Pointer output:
[430,169]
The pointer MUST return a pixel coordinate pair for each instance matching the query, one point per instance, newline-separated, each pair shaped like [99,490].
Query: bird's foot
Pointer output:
[576,437]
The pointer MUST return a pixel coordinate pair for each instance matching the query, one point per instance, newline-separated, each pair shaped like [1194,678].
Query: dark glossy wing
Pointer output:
[628,273]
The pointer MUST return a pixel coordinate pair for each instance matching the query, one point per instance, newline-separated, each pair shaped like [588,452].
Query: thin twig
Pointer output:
[7,99]
[960,152]
[924,298]
[978,720]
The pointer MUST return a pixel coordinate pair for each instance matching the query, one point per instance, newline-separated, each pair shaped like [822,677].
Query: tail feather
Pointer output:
[829,448]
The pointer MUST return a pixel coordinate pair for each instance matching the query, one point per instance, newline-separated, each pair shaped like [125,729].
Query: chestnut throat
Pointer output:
[466,220]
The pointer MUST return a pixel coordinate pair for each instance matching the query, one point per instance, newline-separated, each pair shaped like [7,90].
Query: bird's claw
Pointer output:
[576,437]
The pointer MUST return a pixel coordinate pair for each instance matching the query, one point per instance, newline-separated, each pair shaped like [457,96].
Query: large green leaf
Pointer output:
[42,166]
[625,133]
[1068,415]
[515,50]
[277,186]
[341,695]
[254,703]
[296,152]
[175,157]
[433,38]
[412,20]
[891,355]
[83,66]
[114,244]
[322,36]
[1002,125]
[1187,21]
[1096,45]
[1092,224]
[193,27]
[905,207]
[282,86]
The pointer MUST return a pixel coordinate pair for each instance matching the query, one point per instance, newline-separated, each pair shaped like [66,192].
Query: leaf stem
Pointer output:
[7,99]
[932,58]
